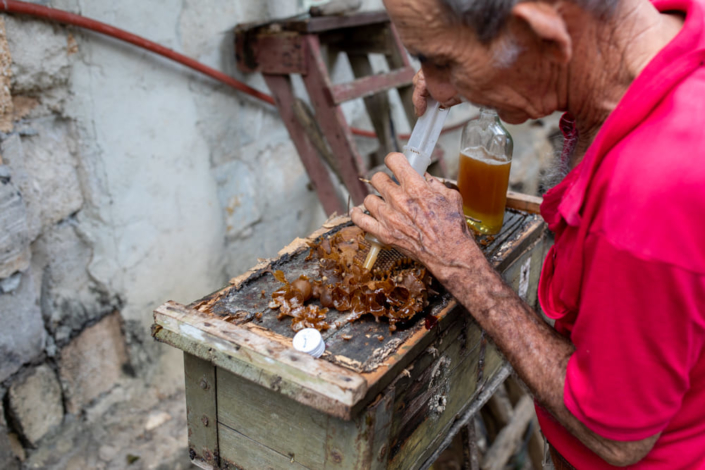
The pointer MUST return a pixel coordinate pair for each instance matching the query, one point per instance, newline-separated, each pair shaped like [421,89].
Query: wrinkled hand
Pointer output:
[421,93]
[420,217]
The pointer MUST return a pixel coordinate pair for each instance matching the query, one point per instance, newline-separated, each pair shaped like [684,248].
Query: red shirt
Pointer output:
[625,279]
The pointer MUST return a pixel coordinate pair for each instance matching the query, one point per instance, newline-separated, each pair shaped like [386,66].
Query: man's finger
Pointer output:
[418,98]
[452,102]
[404,172]
[367,223]
[383,184]
[372,204]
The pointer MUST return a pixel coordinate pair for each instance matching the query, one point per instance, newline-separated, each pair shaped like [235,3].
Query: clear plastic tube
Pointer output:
[418,151]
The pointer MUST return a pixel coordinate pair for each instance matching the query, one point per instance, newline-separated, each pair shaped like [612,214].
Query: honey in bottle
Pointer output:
[483,175]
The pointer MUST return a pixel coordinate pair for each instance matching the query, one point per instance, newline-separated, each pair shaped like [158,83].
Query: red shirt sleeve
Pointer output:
[639,332]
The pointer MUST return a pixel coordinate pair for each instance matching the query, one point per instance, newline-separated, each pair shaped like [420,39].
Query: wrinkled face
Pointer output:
[510,74]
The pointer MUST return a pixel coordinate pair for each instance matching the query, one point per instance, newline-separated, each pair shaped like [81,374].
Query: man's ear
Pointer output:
[549,26]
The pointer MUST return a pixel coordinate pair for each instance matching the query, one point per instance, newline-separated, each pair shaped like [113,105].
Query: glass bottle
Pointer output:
[486,152]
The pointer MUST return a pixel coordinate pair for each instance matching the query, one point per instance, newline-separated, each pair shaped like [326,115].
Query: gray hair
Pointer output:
[488,17]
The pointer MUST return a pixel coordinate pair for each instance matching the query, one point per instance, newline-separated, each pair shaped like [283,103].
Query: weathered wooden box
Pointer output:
[378,400]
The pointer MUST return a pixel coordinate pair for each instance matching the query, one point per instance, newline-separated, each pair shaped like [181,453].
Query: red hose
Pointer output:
[64,17]
[24,8]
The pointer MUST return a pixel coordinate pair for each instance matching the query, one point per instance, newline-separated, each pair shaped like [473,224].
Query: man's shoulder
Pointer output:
[654,181]
[672,135]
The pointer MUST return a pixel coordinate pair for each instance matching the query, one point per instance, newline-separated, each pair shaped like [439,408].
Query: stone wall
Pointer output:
[126,181]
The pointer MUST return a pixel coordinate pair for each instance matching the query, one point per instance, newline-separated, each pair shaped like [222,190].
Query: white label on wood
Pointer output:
[524,278]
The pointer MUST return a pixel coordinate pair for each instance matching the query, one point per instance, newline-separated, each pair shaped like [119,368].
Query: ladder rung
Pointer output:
[367,86]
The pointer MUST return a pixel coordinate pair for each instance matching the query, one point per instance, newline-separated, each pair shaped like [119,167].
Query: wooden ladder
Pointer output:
[284,47]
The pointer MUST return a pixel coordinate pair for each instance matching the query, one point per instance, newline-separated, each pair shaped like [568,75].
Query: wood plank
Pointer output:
[512,227]
[333,122]
[370,85]
[276,54]
[305,116]
[496,413]
[372,39]
[426,379]
[377,108]
[382,416]
[240,452]
[510,436]
[524,202]
[201,411]
[471,456]
[516,391]
[263,415]
[459,390]
[397,58]
[281,89]
[322,385]
[360,444]
[459,342]
[446,435]
[254,374]
[314,24]
[312,439]
[524,273]
[317,25]
[533,228]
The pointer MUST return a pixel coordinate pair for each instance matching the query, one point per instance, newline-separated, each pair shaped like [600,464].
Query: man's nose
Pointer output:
[438,85]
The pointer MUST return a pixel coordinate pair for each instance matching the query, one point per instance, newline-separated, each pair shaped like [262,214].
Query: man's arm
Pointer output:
[424,219]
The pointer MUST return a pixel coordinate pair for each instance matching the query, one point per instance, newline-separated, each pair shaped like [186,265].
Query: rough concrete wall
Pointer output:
[125,181]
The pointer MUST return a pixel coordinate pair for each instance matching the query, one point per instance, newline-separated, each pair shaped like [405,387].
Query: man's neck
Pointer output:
[627,41]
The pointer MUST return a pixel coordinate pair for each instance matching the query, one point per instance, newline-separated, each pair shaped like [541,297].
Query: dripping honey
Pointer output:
[483,180]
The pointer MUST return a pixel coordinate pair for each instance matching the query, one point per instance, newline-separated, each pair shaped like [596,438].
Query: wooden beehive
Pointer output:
[255,403]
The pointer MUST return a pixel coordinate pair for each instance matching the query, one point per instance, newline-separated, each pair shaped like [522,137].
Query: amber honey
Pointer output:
[483,180]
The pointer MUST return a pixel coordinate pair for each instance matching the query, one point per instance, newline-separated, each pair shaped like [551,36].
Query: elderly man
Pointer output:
[621,379]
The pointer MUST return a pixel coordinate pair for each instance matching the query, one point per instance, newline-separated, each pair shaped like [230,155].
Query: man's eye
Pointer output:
[431,62]
[441,66]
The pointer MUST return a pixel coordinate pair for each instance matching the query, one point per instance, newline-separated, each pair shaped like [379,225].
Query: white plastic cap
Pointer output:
[309,341]
[425,135]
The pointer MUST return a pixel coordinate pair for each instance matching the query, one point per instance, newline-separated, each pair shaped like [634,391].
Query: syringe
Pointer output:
[418,151]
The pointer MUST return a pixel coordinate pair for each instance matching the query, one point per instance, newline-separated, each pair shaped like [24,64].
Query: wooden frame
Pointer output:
[404,400]
[264,356]
[524,202]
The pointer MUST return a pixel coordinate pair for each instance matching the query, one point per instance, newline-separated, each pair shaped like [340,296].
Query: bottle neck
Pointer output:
[488,114]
